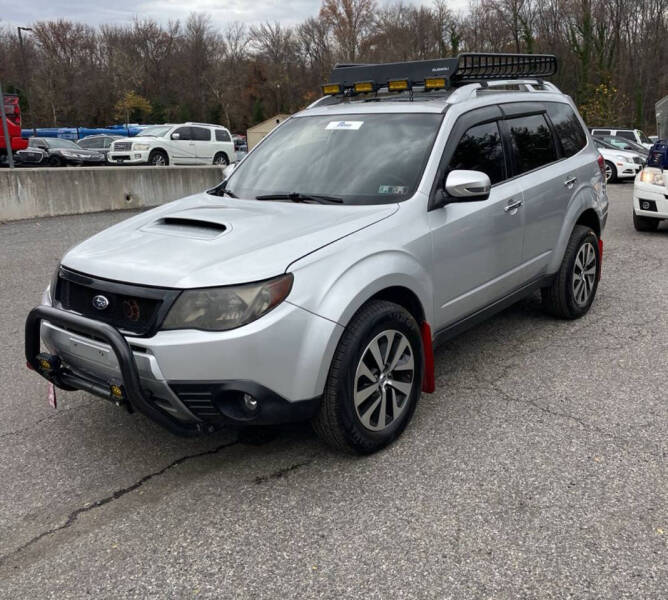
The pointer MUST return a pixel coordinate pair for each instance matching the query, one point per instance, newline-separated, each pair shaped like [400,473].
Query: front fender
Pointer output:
[335,288]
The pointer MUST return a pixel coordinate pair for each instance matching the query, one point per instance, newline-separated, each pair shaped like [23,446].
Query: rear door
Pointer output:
[547,176]
[477,246]
[203,144]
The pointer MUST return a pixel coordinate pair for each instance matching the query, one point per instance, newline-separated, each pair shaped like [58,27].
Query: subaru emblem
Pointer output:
[100,302]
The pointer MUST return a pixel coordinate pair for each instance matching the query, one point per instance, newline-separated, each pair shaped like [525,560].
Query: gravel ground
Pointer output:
[537,469]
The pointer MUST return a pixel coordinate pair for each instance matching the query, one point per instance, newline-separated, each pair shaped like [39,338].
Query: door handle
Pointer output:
[570,181]
[513,205]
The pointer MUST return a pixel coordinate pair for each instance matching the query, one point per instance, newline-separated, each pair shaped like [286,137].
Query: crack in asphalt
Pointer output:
[53,415]
[282,472]
[74,515]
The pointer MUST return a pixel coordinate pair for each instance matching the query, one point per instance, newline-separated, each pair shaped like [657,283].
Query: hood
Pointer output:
[206,240]
[619,152]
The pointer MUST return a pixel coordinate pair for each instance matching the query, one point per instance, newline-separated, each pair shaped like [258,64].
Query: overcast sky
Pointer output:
[96,12]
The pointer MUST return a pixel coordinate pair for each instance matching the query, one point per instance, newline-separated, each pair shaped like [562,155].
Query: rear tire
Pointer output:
[367,405]
[221,159]
[610,172]
[645,223]
[574,287]
[158,158]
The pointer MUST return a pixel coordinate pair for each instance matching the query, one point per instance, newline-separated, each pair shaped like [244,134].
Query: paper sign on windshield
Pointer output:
[345,125]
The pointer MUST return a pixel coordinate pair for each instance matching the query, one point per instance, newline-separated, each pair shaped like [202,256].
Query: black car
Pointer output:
[60,152]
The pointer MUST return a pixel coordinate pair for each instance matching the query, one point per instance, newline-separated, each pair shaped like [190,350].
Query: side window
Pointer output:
[201,134]
[184,133]
[568,128]
[106,142]
[480,149]
[532,142]
[627,135]
[87,143]
[222,136]
[601,132]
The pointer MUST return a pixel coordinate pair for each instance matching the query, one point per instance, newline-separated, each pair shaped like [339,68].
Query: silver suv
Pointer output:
[409,203]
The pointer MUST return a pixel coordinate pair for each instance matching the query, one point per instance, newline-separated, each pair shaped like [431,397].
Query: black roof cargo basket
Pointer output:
[440,73]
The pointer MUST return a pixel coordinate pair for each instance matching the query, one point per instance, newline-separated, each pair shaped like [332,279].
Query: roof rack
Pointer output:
[440,73]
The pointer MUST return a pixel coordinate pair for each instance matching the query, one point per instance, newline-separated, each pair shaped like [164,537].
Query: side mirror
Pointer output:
[467,186]
[176,136]
[227,171]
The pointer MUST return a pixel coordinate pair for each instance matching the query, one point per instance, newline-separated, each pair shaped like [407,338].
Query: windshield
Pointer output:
[60,143]
[601,144]
[155,131]
[364,159]
[643,138]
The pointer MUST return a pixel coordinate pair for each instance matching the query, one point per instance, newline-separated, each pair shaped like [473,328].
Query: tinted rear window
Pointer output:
[532,142]
[480,149]
[222,135]
[568,128]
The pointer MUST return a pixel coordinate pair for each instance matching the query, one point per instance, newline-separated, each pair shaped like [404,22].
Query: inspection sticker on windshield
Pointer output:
[392,189]
[354,125]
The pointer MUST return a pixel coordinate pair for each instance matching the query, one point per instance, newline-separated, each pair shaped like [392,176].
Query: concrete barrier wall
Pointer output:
[47,192]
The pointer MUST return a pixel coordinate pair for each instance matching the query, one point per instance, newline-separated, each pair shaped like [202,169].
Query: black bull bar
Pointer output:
[128,391]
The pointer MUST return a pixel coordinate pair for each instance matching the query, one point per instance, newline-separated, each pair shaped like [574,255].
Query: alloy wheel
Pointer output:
[584,273]
[384,380]
[608,172]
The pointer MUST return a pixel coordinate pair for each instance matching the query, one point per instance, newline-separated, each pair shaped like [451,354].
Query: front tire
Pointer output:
[645,223]
[374,380]
[574,287]
[158,158]
[55,161]
[610,172]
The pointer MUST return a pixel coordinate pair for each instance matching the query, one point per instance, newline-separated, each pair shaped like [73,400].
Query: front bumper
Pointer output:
[627,169]
[129,157]
[192,382]
[650,200]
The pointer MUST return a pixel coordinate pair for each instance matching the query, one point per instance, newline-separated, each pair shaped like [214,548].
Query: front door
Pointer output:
[477,246]
[182,146]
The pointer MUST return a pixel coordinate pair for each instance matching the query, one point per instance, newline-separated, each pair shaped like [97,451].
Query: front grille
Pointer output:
[131,309]
[122,146]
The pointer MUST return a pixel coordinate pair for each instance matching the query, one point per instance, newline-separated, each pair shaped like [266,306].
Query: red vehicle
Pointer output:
[13,112]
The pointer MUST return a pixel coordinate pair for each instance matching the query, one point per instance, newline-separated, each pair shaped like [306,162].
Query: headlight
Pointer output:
[653,176]
[68,153]
[223,308]
[138,146]
[622,158]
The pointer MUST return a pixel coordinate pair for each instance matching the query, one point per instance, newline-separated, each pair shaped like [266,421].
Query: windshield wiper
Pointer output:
[298,197]
[221,191]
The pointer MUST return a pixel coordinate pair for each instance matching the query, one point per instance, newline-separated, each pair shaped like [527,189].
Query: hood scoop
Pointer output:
[187,227]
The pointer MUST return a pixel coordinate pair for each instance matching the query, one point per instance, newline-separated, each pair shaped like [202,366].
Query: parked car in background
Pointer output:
[653,138]
[650,190]
[635,135]
[624,144]
[30,157]
[99,143]
[61,152]
[184,144]
[619,164]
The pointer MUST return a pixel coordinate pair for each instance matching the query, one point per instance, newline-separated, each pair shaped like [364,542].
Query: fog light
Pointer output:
[137,155]
[250,403]
[645,205]
[117,392]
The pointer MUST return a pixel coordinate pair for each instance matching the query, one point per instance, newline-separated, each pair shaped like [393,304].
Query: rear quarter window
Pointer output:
[567,126]
[222,136]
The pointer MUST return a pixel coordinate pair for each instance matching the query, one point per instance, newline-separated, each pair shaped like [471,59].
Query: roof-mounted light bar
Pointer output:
[442,73]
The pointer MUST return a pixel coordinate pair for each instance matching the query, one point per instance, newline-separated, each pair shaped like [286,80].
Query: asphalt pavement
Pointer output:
[536,470]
